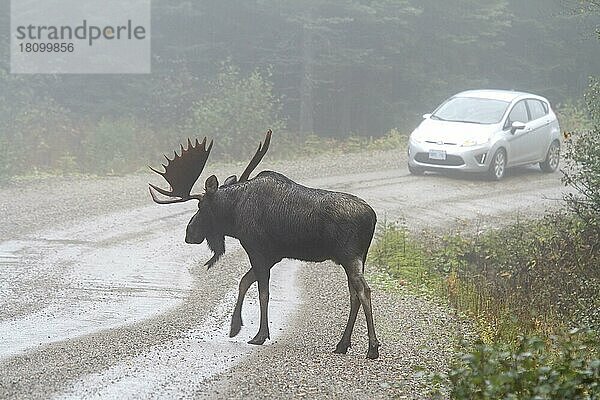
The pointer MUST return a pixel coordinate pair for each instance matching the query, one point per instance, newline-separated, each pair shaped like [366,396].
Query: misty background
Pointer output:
[314,71]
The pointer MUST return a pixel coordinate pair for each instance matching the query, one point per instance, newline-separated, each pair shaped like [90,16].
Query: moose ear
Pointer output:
[211,185]
[230,180]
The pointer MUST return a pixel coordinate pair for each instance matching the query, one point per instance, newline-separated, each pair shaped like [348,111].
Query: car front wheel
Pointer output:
[550,164]
[498,165]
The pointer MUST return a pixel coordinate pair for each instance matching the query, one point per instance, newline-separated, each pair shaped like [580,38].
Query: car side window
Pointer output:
[518,113]
[537,109]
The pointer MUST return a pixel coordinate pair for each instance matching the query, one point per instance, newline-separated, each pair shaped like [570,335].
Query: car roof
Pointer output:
[504,95]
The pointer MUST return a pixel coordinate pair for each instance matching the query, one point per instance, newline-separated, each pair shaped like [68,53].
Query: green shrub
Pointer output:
[289,146]
[394,139]
[582,170]
[397,253]
[531,277]
[561,368]
[111,147]
[574,117]
[236,112]
[582,173]
[41,133]
[517,284]
[592,99]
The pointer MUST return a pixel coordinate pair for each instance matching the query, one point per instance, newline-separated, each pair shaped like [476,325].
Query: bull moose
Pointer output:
[274,218]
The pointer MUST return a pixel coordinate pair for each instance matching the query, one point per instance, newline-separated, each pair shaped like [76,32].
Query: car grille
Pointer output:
[450,160]
[446,143]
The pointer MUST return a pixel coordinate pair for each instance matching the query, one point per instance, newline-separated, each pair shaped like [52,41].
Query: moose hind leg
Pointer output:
[363,290]
[236,319]
[344,343]
[263,297]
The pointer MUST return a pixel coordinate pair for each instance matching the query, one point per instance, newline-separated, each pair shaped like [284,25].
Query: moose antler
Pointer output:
[182,172]
[260,153]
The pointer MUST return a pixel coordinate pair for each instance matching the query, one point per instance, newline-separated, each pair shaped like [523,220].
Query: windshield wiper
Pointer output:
[467,122]
[438,118]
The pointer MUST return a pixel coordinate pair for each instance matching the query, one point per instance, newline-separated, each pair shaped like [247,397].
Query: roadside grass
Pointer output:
[532,292]
[110,160]
[394,139]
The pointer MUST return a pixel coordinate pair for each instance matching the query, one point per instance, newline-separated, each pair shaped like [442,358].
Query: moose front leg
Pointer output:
[236,319]
[262,272]
[263,297]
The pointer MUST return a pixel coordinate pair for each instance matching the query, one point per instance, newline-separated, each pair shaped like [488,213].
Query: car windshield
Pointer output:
[471,110]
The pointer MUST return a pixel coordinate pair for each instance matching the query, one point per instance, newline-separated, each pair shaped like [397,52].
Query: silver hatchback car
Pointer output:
[486,131]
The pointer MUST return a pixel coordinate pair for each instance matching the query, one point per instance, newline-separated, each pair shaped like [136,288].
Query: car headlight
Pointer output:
[473,142]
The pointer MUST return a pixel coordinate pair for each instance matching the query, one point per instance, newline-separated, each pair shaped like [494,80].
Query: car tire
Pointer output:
[498,165]
[415,170]
[550,164]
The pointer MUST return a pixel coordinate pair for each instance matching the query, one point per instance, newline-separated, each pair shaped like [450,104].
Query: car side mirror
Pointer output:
[426,116]
[517,125]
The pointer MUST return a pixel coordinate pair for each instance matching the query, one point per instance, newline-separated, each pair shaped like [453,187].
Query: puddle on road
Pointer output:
[166,371]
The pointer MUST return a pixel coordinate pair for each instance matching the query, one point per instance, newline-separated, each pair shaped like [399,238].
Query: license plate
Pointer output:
[437,154]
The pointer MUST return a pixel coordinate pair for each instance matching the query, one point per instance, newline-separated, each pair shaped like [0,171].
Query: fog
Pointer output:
[232,69]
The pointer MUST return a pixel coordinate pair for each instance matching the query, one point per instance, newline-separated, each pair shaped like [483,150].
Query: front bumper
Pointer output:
[469,159]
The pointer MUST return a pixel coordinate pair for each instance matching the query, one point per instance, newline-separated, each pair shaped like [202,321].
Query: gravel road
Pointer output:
[100,297]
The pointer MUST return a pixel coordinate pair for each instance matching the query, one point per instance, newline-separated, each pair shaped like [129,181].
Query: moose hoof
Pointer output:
[373,352]
[341,348]
[259,339]
[235,328]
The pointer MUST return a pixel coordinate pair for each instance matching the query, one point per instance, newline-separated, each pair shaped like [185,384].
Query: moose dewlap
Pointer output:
[274,218]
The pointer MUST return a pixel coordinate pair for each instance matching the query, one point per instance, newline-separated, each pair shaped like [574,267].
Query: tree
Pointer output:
[583,150]
[235,111]
[582,173]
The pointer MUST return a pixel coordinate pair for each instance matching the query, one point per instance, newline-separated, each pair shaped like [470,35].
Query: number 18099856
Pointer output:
[46,47]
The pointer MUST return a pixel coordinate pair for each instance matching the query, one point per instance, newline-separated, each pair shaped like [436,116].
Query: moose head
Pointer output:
[182,172]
